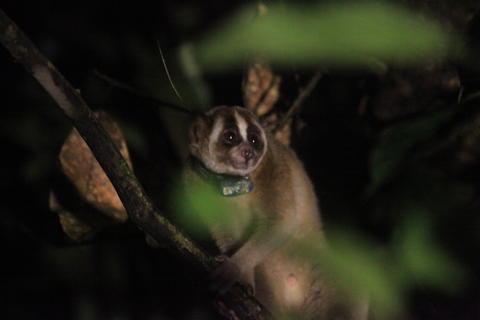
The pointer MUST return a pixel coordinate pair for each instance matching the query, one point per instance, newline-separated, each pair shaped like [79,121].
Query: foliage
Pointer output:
[421,210]
[347,34]
[396,144]
[357,265]
[359,35]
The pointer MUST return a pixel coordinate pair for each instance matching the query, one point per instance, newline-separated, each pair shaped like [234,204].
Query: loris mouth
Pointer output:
[239,164]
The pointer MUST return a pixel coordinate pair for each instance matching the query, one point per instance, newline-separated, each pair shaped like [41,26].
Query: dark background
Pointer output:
[115,275]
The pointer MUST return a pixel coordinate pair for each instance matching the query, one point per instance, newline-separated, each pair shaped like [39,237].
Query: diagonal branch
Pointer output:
[304,93]
[137,204]
[134,199]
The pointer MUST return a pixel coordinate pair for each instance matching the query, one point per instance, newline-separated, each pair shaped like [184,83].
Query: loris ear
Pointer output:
[199,131]
[264,122]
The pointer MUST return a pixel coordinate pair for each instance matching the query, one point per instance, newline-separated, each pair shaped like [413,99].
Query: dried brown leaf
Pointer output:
[261,91]
[74,227]
[83,171]
[261,88]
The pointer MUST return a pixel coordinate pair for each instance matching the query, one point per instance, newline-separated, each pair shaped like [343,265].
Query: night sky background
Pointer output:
[116,275]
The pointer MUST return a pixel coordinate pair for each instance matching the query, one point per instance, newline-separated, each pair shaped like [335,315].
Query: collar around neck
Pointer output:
[227,185]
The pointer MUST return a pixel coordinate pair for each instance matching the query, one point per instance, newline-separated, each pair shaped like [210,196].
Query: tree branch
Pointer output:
[137,204]
[128,88]
[304,93]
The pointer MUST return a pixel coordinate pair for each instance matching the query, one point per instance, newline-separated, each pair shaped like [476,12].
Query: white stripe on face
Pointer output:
[214,135]
[242,126]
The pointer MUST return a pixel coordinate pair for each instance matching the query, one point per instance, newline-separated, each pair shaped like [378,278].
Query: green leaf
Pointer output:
[342,34]
[357,264]
[358,270]
[199,205]
[422,258]
[385,274]
[396,143]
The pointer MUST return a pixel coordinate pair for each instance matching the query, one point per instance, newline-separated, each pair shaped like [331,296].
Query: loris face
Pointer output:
[228,140]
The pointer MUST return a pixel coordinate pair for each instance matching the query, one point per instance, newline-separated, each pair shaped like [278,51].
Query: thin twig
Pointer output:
[130,89]
[168,73]
[304,93]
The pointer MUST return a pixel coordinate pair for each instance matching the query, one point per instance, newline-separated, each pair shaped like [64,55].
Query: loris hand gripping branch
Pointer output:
[275,206]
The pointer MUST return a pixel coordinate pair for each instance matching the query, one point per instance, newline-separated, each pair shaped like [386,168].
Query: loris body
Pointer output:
[280,208]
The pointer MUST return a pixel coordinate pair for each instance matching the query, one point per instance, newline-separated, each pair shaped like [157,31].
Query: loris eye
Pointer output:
[253,138]
[230,137]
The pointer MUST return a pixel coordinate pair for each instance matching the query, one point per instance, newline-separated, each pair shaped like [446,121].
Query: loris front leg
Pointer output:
[268,237]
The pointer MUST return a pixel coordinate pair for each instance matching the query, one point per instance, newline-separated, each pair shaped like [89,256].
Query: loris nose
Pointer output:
[247,153]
